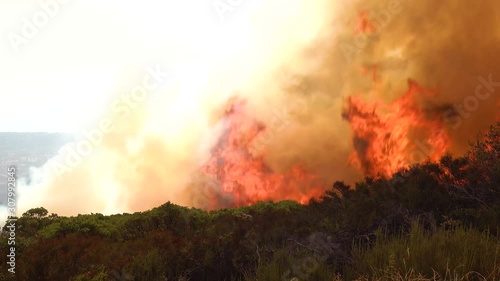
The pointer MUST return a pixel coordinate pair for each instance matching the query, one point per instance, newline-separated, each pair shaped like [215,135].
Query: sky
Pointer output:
[64,74]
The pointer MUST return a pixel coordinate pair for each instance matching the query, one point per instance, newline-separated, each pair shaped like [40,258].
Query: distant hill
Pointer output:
[26,150]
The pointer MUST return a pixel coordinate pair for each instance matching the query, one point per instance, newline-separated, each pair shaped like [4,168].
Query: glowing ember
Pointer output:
[242,178]
[363,24]
[389,137]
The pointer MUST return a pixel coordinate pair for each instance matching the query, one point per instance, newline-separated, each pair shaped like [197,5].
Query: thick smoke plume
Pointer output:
[306,60]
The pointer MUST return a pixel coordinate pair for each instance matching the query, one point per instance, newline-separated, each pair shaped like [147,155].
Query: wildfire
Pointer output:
[240,178]
[389,137]
[386,137]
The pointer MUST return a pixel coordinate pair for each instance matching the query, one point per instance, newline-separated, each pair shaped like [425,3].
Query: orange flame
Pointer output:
[242,178]
[389,137]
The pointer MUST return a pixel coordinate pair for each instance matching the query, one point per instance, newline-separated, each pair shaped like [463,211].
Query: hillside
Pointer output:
[432,221]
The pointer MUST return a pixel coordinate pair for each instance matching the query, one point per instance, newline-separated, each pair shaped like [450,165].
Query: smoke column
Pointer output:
[306,58]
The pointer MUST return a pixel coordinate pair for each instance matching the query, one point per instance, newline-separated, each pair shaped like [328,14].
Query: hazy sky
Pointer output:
[89,51]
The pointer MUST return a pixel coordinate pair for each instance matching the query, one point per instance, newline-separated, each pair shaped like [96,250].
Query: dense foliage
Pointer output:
[432,220]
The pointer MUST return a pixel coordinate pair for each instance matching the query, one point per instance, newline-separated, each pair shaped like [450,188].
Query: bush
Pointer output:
[460,252]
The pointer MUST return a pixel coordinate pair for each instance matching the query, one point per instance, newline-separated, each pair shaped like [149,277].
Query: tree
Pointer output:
[39,212]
